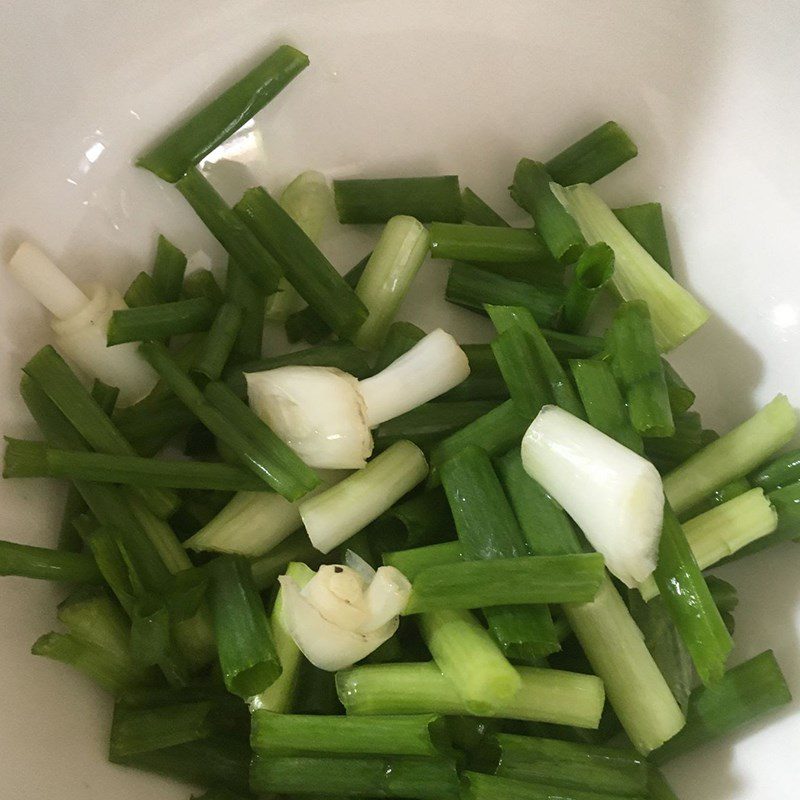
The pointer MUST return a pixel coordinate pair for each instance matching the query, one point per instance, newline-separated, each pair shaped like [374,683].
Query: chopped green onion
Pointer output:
[785,469]
[334,515]
[676,314]
[616,650]
[472,287]
[561,390]
[202,283]
[724,530]
[391,268]
[531,190]
[545,695]
[279,560]
[247,653]
[230,231]
[307,324]
[400,338]
[470,660]
[478,786]
[484,382]
[49,565]
[681,397]
[593,156]
[572,765]
[168,270]
[375,200]
[572,345]
[603,402]
[638,367]
[409,735]
[731,456]
[718,497]
[487,244]
[430,422]
[689,602]
[495,432]
[244,294]
[356,776]
[220,342]
[645,223]
[62,386]
[426,518]
[745,692]
[142,292]
[415,560]
[592,272]
[506,581]
[668,452]
[519,366]
[152,422]
[488,529]
[304,266]
[477,212]
[195,138]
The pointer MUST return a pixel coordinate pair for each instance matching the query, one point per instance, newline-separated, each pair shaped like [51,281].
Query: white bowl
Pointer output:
[708,90]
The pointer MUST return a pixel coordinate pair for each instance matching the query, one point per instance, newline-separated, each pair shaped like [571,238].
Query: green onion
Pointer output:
[427,424]
[137,471]
[415,560]
[152,422]
[412,735]
[141,730]
[668,452]
[470,659]
[391,268]
[731,456]
[531,191]
[295,548]
[689,602]
[477,212]
[230,231]
[202,283]
[472,288]
[142,292]
[247,653]
[219,761]
[150,637]
[279,696]
[785,469]
[547,529]
[592,272]
[426,518]
[334,515]
[490,787]
[572,765]
[488,529]
[561,390]
[676,314]
[62,386]
[243,293]
[304,266]
[681,397]
[365,776]
[230,420]
[645,223]
[375,200]
[68,537]
[506,581]
[168,270]
[485,381]
[603,402]
[495,432]
[220,342]
[724,530]
[593,156]
[49,565]
[719,496]
[744,693]
[571,345]
[616,650]
[519,366]
[307,324]
[638,367]
[195,138]
[400,338]
[545,695]
[486,243]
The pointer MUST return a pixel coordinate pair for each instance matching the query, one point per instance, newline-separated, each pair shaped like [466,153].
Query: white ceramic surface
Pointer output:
[709,91]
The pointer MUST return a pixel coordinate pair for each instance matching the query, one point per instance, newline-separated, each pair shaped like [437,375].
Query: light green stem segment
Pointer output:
[391,268]
[616,650]
[675,313]
[279,696]
[731,456]
[336,514]
[545,695]
[724,530]
[308,200]
[469,657]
